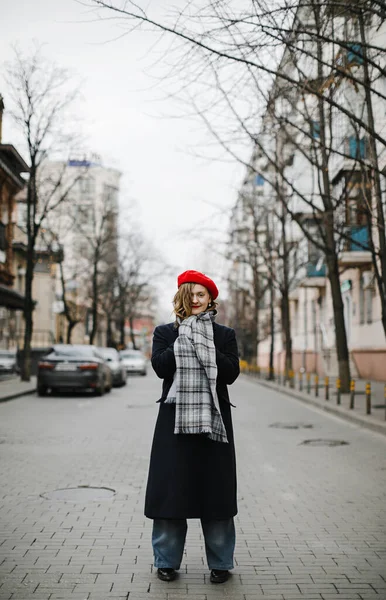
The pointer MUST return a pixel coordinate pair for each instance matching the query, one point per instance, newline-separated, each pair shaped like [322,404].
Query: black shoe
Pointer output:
[218,576]
[166,574]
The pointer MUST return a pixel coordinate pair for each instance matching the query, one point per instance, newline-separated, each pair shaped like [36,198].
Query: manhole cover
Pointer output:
[321,442]
[82,493]
[292,425]
[137,406]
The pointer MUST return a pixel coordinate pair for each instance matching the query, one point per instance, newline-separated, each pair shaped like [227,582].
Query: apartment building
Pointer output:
[83,225]
[351,167]
[12,169]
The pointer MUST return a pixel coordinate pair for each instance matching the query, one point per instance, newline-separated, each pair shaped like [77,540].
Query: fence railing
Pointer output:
[326,387]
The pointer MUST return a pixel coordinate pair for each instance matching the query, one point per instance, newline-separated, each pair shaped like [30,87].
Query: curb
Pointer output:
[14,395]
[378,427]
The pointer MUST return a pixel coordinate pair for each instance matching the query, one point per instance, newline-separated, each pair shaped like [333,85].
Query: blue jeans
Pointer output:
[168,541]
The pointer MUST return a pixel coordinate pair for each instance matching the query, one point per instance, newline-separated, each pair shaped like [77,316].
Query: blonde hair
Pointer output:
[182,301]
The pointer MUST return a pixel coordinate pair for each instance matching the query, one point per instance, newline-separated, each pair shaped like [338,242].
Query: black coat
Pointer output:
[191,476]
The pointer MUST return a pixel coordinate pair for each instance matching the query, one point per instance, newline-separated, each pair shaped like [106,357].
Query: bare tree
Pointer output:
[97,241]
[135,271]
[72,311]
[300,47]
[42,98]
[109,302]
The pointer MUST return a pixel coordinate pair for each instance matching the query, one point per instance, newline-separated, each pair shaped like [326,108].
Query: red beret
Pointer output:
[197,277]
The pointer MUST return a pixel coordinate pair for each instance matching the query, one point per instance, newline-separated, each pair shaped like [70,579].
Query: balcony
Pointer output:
[314,270]
[315,275]
[356,251]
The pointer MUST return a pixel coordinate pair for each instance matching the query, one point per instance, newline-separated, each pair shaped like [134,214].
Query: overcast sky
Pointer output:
[129,123]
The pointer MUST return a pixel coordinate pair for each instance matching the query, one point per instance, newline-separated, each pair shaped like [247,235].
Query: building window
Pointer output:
[361,301]
[355,54]
[22,214]
[357,148]
[315,129]
[86,186]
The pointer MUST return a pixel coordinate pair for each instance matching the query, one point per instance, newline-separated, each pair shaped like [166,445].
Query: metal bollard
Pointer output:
[368,398]
[352,393]
[338,391]
[292,379]
[326,388]
[316,385]
[301,381]
[308,377]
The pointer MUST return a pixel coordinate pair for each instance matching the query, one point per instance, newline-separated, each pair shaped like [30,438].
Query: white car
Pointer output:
[116,365]
[135,361]
[8,362]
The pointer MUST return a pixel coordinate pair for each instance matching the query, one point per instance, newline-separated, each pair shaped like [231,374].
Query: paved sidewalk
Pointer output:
[311,522]
[14,388]
[375,421]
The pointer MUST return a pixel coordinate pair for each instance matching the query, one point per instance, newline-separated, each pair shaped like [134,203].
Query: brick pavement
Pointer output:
[13,387]
[374,421]
[311,521]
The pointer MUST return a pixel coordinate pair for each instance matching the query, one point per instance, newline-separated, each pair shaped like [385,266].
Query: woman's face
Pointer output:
[200,299]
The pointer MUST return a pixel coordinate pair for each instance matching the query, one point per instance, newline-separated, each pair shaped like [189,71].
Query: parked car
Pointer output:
[8,362]
[116,365]
[135,361]
[74,367]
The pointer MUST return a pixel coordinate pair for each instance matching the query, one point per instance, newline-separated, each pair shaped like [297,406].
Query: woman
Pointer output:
[192,472]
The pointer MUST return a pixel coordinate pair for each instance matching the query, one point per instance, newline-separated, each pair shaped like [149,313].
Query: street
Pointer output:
[311,520]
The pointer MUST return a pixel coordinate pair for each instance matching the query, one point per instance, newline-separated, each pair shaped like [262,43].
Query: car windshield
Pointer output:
[132,354]
[109,353]
[68,350]
[7,353]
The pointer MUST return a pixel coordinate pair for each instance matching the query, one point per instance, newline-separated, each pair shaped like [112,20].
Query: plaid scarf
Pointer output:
[194,385]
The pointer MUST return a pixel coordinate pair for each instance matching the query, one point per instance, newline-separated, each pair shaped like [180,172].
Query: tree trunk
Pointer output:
[132,336]
[94,306]
[28,318]
[286,325]
[285,305]
[28,302]
[271,287]
[70,327]
[271,374]
[340,326]
[122,317]
[70,322]
[255,319]
[109,333]
[331,250]
[122,340]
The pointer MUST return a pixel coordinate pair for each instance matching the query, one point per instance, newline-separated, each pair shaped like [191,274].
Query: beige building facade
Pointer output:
[351,176]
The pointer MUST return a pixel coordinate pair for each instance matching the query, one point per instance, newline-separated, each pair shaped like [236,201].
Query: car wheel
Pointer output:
[123,381]
[41,390]
[143,373]
[100,390]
